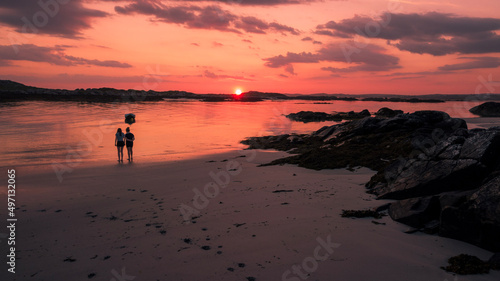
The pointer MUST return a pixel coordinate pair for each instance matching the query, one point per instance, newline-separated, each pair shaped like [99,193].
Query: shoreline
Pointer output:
[473,123]
[104,221]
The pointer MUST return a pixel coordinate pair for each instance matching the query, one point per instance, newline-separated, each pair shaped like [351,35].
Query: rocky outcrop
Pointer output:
[446,178]
[487,109]
[477,219]
[387,112]
[415,212]
[311,116]
[461,172]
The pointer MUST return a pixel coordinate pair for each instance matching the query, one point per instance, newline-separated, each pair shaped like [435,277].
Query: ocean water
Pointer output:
[39,134]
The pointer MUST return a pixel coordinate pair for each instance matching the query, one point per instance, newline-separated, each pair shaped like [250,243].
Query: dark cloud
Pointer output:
[289,68]
[312,40]
[68,19]
[209,17]
[473,63]
[255,25]
[252,25]
[370,58]
[255,2]
[283,28]
[55,55]
[304,57]
[431,33]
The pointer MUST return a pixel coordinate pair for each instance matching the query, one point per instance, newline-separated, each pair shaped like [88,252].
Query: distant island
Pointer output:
[14,91]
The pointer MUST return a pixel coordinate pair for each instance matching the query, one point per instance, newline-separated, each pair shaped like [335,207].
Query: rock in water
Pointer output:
[487,109]
[310,116]
[387,112]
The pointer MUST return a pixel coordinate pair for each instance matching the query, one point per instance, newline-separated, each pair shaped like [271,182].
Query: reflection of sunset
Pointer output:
[189,128]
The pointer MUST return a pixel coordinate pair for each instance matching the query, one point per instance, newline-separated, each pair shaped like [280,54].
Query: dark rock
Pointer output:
[454,198]
[387,112]
[432,116]
[431,227]
[325,132]
[451,125]
[494,261]
[294,139]
[487,109]
[310,116]
[449,148]
[483,146]
[365,113]
[415,212]
[412,230]
[477,220]
[466,264]
[361,214]
[382,208]
[413,178]
[447,177]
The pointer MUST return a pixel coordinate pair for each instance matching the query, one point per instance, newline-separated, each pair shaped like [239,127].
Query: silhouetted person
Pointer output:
[120,143]
[129,141]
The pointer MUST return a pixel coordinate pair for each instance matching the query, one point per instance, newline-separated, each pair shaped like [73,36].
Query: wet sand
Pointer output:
[220,217]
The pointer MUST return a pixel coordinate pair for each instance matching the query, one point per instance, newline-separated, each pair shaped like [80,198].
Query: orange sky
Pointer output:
[288,46]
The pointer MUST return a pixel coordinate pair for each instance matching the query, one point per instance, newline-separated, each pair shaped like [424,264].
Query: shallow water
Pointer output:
[38,133]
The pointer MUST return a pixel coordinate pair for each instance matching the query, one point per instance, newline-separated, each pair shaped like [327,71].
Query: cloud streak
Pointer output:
[373,58]
[431,33]
[212,75]
[209,17]
[255,2]
[55,55]
[473,63]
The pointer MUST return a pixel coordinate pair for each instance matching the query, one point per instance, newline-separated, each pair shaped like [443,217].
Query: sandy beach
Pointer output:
[272,140]
[220,217]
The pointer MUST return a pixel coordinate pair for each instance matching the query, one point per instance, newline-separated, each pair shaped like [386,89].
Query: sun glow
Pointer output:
[238,92]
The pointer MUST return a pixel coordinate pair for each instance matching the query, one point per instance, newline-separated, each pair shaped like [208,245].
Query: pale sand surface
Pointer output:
[247,224]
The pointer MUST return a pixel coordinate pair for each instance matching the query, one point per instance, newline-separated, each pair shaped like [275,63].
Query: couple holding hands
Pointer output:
[122,140]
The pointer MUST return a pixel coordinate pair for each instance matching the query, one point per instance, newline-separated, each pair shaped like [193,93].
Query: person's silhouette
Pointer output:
[119,143]
[129,142]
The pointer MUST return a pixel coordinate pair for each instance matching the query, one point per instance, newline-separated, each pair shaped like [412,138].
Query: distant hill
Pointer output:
[14,91]
[263,95]
[7,85]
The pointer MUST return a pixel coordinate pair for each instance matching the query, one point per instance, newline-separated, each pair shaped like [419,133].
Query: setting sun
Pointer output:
[238,92]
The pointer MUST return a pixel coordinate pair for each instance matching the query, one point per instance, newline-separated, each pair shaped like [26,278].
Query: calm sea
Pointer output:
[39,134]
